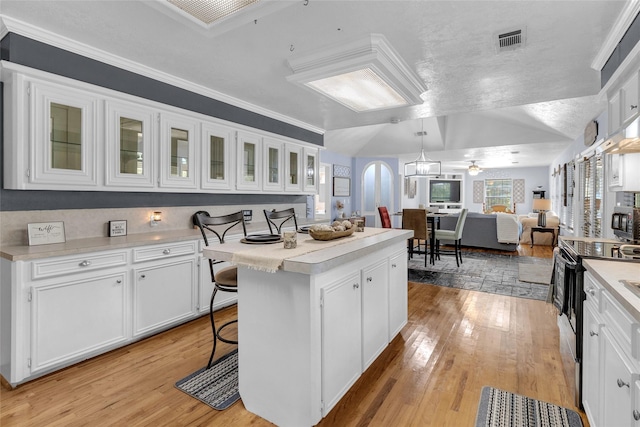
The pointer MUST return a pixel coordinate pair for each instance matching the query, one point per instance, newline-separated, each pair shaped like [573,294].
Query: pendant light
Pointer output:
[422,166]
[474,169]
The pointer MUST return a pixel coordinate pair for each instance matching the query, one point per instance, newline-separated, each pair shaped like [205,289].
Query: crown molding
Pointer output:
[10,25]
[616,33]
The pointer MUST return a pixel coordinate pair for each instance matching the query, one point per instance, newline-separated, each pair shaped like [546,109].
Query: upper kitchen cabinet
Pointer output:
[623,97]
[293,161]
[130,130]
[273,161]
[311,170]
[249,158]
[177,151]
[50,136]
[217,153]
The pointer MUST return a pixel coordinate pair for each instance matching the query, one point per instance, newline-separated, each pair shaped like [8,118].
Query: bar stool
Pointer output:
[226,279]
[283,215]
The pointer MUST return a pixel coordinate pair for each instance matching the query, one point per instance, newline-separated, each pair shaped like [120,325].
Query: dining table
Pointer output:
[433,221]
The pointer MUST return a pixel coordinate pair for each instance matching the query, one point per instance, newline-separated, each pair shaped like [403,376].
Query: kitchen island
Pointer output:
[308,330]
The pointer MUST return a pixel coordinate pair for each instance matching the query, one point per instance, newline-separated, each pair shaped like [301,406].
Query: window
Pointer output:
[591,176]
[498,192]
[567,177]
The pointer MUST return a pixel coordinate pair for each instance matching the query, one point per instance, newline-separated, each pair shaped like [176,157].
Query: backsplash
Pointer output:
[86,223]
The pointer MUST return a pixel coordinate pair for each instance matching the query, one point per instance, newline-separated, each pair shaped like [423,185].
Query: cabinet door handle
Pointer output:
[393,266]
[622,383]
[166,251]
[142,276]
[593,334]
[633,107]
[591,292]
[85,263]
[356,285]
[118,281]
[636,415]
[369,279]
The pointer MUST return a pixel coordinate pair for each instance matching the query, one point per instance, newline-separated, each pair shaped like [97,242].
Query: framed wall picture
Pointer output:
[117,228]
[341,187]
[44,233]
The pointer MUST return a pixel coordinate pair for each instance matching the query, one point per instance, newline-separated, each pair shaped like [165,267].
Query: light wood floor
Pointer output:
[455,343]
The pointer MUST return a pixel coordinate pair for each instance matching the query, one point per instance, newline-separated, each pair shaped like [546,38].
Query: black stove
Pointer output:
[590,249]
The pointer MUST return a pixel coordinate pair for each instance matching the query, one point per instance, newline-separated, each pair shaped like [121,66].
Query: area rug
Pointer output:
[499,408]
[484,272]
[535,273]
[216,386]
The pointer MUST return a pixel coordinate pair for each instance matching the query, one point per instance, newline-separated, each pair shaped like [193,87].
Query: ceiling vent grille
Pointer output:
[510,40]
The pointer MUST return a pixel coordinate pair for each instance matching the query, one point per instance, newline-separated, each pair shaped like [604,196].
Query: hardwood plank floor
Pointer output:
[431,374]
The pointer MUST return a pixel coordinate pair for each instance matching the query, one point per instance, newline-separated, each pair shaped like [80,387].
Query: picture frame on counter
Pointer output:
[117,228]
[45,233]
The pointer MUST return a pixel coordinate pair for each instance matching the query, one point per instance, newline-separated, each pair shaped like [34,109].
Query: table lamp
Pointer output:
[542,206]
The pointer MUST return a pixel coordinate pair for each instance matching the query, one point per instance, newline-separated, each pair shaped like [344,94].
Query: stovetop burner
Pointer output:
[592,249]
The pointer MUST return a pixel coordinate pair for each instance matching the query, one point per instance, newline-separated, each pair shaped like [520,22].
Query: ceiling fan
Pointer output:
[474,169]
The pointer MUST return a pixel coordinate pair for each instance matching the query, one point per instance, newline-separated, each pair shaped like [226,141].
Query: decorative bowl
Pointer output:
[330,235]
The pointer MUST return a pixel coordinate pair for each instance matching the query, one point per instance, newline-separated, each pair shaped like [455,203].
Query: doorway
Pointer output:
[377,190]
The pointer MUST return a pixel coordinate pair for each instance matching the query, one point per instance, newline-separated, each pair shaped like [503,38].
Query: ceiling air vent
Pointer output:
[510,40]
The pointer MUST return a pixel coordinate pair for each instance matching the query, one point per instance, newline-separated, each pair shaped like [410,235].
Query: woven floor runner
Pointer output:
[499,408]
[216,386]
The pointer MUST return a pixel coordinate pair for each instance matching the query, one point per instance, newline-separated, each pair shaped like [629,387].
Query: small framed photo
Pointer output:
[44,233]
[117,228]
[341,187]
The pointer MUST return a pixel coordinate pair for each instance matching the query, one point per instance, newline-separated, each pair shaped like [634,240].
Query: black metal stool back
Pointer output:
[283,216]
[226,279]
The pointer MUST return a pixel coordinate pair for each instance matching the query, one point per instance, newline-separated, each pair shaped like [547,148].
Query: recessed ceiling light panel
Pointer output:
[209,11]
[364,74]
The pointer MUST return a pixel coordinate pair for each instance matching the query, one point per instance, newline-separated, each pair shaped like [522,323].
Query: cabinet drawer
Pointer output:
[593,291]
[164,251]
[621,324]
[76,264]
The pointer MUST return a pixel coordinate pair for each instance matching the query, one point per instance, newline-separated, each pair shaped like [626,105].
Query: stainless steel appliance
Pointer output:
[569,294]
[625,223]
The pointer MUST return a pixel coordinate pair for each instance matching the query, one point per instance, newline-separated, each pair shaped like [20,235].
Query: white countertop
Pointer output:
[324,259]
[609,274]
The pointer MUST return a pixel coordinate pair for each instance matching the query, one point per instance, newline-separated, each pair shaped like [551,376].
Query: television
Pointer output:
[444,191]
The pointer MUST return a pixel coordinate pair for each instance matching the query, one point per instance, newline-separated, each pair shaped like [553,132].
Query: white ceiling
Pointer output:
[480,105]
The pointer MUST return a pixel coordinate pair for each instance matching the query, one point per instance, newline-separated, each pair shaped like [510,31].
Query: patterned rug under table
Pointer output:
[500,408]
[216,386]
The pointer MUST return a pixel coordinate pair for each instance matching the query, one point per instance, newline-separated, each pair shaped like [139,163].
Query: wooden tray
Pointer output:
[330,235]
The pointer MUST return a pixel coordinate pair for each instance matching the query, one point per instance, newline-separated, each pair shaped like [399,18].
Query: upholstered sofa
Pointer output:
[531,220]
[481,230]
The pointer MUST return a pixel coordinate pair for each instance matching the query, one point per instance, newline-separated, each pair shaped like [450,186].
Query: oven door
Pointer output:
[564,283]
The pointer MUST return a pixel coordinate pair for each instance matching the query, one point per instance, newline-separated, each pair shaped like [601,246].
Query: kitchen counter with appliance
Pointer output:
[609,274]
[308,331]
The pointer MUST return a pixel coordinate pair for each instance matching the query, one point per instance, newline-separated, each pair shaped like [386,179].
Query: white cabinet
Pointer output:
[249,162]
[63,137]
[629,99]
[615,116]
[273,165]
[341,338]
[398,293]
[591,399]
[72,319]
[217,156]
[311,170]
[617,380]
[178,136]
[293,161]
[130,132]
[375,311]
[164,286]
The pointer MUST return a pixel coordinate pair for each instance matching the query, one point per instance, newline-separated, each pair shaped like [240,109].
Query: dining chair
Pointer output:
[225,279]
[385,219]
[416,220]
[281,216]
[452,235]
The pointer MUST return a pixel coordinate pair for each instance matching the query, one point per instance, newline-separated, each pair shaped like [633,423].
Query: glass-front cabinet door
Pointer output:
[217,141]
[177,151]
[249,160]
[293,161]
[273,170]
[63,137]
[310,170]
[129,135]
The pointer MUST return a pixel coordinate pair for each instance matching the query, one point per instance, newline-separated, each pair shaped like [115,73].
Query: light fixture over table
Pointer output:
[422,166]
[365,74]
